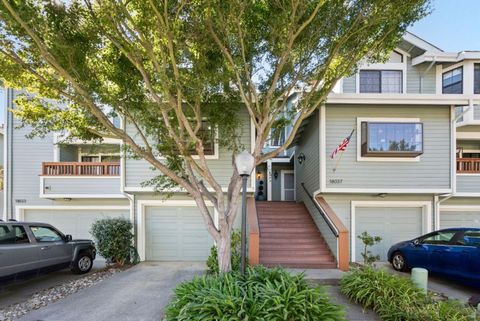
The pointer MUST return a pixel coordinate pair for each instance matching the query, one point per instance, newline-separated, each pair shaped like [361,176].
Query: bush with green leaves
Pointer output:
[236,254]
[396,298]
[369,241]
[114,240]
[262,294]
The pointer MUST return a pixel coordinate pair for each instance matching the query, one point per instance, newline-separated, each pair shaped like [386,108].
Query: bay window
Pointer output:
[391,139]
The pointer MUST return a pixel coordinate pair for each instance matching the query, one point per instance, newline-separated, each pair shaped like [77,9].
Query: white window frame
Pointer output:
[402,66]
[427,215]
[282,186]
[361,158]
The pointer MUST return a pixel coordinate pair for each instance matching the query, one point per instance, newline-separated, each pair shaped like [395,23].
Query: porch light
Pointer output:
[245,163]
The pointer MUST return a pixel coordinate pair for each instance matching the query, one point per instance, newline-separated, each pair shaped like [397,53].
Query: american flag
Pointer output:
[342,146]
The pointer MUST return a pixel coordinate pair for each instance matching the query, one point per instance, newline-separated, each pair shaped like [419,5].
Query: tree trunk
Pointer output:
[224,251]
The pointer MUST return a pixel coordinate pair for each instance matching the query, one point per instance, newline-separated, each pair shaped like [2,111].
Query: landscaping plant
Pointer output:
[236,254]
[114,240]
[369,241]
[262,294]
[396,298]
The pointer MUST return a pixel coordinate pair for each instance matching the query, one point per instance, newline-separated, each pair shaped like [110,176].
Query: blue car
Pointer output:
[453,253]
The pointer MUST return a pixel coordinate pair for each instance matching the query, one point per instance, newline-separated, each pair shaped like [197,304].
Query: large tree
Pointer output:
[166,66]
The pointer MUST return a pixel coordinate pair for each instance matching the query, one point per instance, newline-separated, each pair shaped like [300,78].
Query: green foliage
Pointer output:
[396,298]
[114,240]
[262,294]
[369,241]
[236,254]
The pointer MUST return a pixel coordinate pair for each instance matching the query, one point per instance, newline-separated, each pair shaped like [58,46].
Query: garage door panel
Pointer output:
[391,224]
[74,222]
[175,234]
[449,219]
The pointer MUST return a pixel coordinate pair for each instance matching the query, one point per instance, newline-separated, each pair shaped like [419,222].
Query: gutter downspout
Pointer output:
[8,156]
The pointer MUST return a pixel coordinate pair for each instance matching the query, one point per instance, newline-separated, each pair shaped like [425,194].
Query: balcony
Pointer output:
[80,169]
[70,180]
[468,175]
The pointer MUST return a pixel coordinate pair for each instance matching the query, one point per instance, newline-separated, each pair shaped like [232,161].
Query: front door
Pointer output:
[288,185]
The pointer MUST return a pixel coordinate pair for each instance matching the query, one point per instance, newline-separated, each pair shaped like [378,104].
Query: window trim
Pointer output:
[380,71]
[361,158]
[462,81]
[386,66]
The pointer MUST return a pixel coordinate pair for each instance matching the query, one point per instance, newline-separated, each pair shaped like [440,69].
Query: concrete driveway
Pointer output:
[138,294]
[21,290]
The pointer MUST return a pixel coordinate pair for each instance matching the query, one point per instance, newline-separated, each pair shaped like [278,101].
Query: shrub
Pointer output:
[262,294]
[114,240]
[396,298]
[236,250]
[369,241]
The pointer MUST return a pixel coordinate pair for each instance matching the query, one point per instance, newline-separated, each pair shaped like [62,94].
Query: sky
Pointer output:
[453,25]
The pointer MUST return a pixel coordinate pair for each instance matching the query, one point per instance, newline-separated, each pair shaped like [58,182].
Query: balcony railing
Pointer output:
[468,165]
[81,169]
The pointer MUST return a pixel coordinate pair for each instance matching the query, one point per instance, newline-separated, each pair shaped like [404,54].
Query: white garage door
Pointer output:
[176,233]
[391,224]
[459,219]
[74,222]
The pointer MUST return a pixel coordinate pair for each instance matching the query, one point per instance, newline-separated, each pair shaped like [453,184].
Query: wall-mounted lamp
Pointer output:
[382,195]
[301,158]
[275,174]
[259,175]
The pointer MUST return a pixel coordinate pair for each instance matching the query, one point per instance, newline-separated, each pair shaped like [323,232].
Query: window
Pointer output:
[439,238]
[390,139]
[15,235]
[471,238]
[45,234]
[380,81]
[476,79]
[277,138]
[207,134]
[452,81]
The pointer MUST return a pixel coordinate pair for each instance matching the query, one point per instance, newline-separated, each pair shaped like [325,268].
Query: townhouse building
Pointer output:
[411,165]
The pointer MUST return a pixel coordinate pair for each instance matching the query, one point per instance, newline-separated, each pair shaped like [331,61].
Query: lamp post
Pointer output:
[245,163]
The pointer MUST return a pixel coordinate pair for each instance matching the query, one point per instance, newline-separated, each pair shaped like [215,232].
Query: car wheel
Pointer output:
[398,262]
[82,264]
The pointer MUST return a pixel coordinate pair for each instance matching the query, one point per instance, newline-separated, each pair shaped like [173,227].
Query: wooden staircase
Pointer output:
[290,238]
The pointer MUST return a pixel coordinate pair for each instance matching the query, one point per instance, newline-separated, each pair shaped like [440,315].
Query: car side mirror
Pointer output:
[416,242]
[68,238]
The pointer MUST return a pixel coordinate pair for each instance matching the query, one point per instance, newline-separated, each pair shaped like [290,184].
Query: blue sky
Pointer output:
[454,25]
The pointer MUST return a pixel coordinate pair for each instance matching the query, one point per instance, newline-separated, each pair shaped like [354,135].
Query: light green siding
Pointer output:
[68,153]
[138,171]
[420,79]
[432,171]
[349,84]
[82,185]
[468,183]
[460,218]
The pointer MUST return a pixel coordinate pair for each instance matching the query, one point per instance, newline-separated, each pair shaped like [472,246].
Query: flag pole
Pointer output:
[343,151]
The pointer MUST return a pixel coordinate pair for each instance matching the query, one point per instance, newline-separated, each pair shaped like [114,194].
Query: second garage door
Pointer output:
[175,233]
[391,224]
[459,219]
[76,222]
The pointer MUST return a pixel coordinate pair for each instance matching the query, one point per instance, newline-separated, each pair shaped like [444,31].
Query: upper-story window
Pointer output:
[391,139]
[207,134]
[276,139]
[381,81]
[476,79]
[452,81]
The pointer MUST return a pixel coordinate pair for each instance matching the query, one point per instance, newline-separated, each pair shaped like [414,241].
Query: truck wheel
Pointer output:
[82,264]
